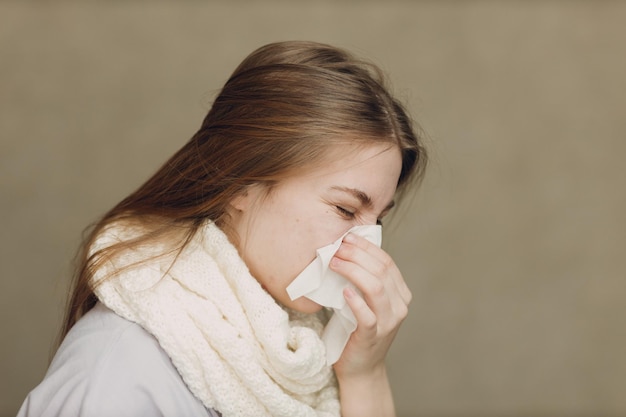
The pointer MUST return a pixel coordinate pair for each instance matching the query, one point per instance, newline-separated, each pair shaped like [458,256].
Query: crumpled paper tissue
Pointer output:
[324,286]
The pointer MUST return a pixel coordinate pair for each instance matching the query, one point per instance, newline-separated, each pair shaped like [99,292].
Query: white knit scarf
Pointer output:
[237,350]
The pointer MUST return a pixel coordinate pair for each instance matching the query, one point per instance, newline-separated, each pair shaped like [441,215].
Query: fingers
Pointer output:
[375,288]
[380,305]
[368,323]
[370,268]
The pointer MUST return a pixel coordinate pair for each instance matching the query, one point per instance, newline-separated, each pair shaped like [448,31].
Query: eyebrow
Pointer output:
[360,195]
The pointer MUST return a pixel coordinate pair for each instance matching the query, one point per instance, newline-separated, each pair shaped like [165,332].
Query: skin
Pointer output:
[278,232]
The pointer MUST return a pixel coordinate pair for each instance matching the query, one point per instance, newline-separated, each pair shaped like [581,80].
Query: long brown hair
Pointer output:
[282,109]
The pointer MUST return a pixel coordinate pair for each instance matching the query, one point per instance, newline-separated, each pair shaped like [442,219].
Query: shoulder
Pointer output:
[108,366]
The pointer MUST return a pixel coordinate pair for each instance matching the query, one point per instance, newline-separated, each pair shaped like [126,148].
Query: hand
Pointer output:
[379,311]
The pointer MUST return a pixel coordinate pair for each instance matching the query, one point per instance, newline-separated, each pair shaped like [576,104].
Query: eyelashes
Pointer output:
[345,212]
[349,215]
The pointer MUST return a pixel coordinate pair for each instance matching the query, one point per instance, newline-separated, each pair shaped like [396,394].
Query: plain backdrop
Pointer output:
[514,246]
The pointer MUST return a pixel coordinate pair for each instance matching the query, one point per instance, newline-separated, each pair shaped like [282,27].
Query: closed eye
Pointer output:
[345,212]
[350,214]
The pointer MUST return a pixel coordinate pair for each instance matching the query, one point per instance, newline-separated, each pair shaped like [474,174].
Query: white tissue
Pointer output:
[324,286]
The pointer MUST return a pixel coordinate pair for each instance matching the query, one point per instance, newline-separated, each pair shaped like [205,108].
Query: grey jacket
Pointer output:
[110,367]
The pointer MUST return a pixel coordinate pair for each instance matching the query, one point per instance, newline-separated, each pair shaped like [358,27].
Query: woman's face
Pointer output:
[278,232]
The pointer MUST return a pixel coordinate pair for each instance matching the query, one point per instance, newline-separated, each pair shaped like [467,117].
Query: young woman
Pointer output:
[180,304]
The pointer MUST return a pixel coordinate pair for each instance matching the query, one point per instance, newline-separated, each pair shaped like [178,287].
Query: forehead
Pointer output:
[341,154]
[374,169]
[343,159]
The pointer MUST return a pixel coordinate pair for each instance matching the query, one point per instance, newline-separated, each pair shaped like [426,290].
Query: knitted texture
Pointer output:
[237,350]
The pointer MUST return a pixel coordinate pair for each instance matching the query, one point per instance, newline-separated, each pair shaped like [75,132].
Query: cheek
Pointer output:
[291,253]
[286,244]
[303,248]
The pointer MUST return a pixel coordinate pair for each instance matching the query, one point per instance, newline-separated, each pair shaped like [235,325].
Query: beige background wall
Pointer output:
[514,248]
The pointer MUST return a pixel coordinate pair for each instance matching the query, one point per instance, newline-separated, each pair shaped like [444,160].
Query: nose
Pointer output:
[370,221]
